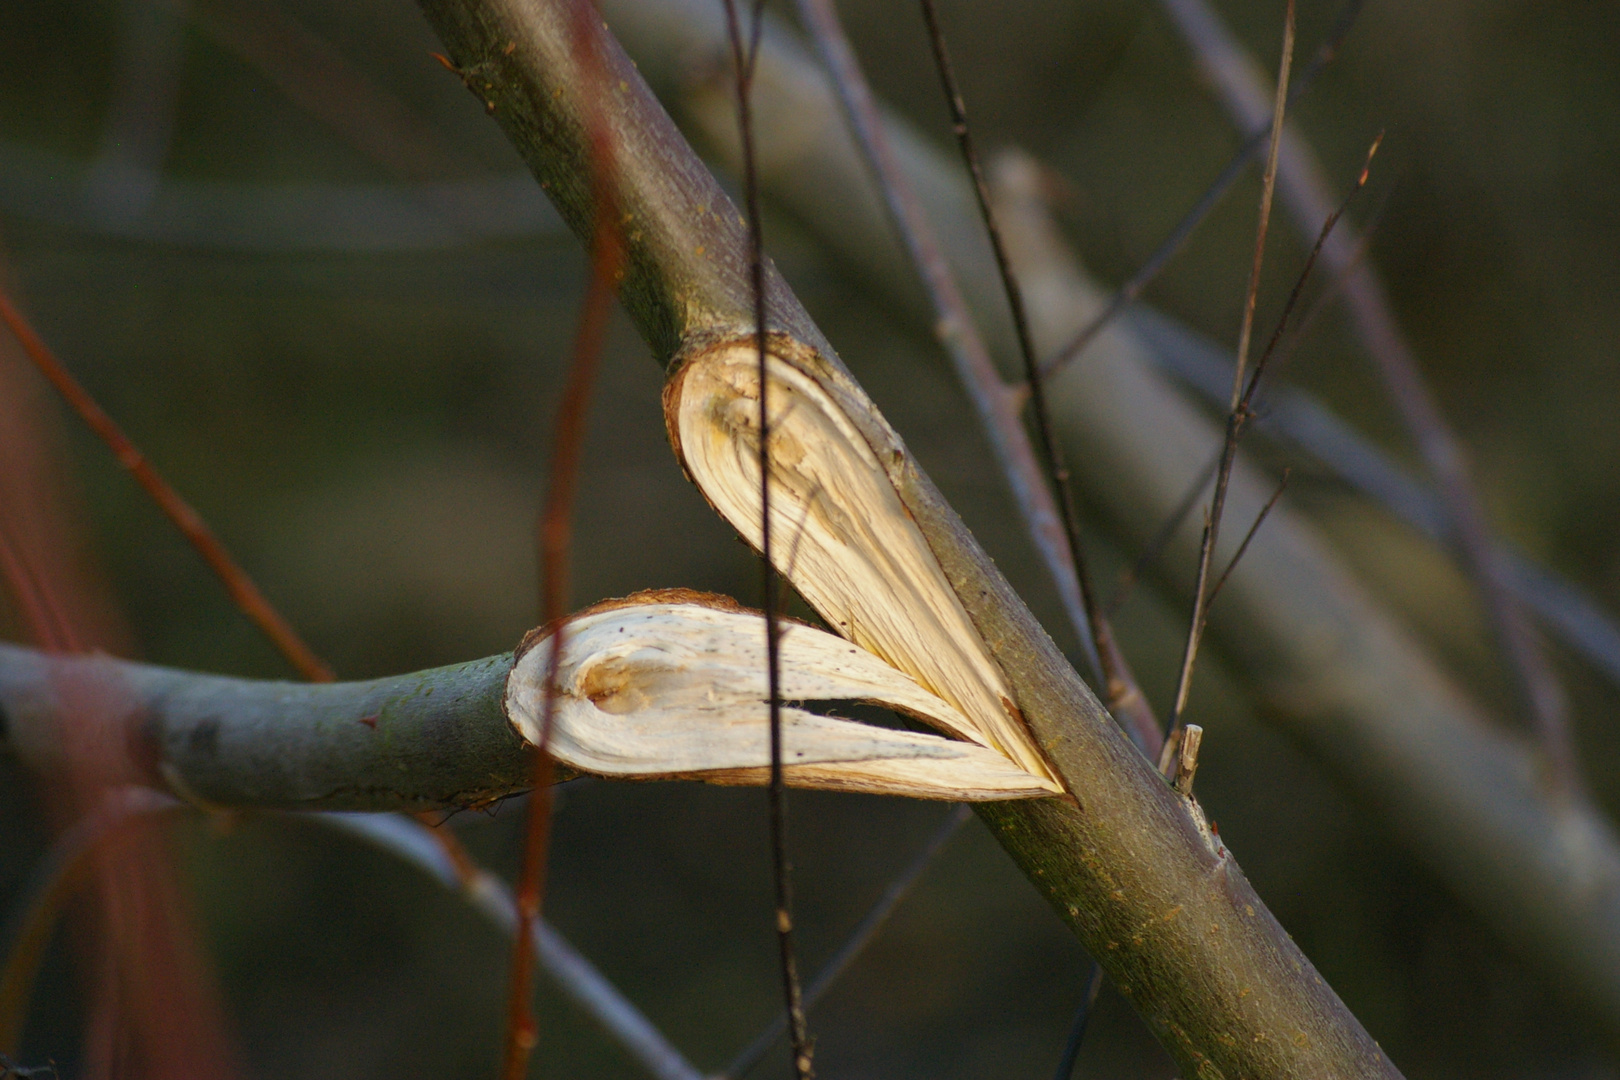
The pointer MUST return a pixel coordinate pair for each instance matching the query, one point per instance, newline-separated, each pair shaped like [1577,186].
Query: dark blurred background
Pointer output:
[216,217]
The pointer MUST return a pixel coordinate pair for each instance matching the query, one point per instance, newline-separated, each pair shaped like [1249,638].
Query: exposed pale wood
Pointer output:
[658,690]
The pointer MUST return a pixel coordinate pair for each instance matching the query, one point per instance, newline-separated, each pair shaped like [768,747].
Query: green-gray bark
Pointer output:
[427,740]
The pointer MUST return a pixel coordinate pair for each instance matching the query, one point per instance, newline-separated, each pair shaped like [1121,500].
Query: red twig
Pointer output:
[153,1007]
[176,509]
[556,528]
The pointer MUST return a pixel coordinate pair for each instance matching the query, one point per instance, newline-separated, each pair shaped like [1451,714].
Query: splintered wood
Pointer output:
[675,685]
[655,690]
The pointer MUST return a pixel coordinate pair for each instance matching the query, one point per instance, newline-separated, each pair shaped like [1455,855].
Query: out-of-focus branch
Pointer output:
[140,122]
[402,837]
[574,974]
[1299,420]
[1356,688]
[1243,91]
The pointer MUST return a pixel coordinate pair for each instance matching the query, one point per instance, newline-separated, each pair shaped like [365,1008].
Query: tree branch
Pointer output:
[1174,922]
[431,739]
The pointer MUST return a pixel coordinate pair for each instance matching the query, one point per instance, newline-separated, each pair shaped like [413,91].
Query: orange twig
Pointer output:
[246,594]
[556,532]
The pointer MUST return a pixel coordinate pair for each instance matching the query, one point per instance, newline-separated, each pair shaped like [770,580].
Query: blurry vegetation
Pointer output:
[368,432]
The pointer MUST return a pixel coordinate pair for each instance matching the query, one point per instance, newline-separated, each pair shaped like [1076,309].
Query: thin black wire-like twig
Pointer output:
[996,404]
[1122,690]
[1237,556]
[1236,418]
[1162,536]
[857,941]
[1229,174]
[743,57]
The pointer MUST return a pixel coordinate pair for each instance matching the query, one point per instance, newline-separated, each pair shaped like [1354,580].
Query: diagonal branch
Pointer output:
[1382,715]
[1130,872]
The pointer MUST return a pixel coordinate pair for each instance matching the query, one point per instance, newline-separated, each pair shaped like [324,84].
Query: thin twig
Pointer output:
[1302,421]
[1310,263]
[1077,1027]
[743,57]
[996,405]
[556,529]
[1172,244]
[1124,695]
[1268,187]
[857,941]
[1237,556]
[1234,422]
[1162,536]
[1237,421]
[236,581]
[1241,88]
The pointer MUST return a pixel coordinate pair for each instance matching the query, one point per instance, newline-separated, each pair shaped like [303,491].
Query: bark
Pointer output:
[427,740]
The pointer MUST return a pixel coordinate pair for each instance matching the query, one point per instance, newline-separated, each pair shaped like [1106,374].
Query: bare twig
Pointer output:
[1268,186]
[857,941]
[1237,556]
[236,581]
[996,405]
[1172,244]
[1125,697]
[1077,1027]
[743,57]
[1242,90]
[556,526]
[1300,420]
[1234,423]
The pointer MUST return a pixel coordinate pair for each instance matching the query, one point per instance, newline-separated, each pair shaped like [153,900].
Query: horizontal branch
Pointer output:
[436,738]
